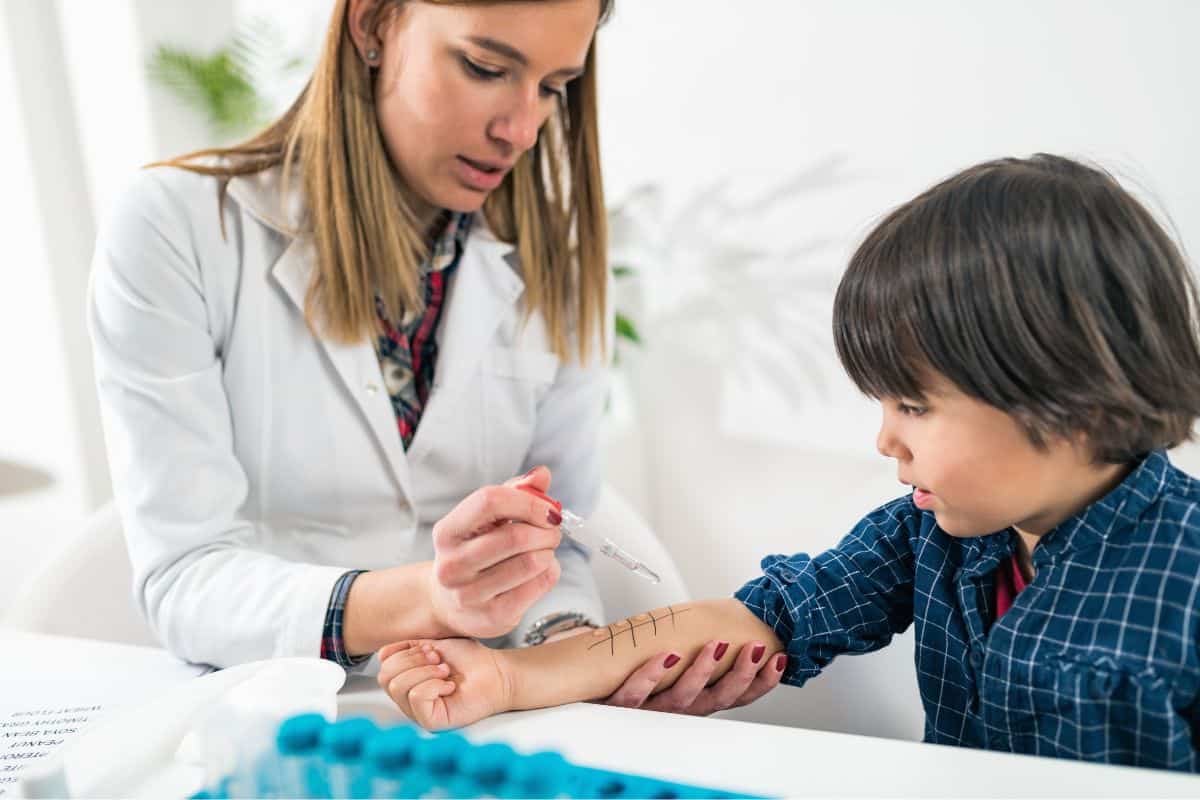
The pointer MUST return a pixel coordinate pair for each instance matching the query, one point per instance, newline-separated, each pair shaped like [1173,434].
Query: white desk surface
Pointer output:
[759,759]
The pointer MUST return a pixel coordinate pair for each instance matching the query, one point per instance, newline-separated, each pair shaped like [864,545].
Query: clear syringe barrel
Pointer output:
[573,526]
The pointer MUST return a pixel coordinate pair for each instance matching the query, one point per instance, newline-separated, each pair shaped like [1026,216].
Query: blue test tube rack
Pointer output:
[355,758]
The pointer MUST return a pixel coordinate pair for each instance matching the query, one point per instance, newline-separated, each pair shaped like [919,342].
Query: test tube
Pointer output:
[540,775]
[488,765]
[298,741]
[439,755]
[344,743]
[390,757]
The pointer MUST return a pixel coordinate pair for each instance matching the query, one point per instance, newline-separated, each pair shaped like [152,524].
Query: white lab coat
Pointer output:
[253,463]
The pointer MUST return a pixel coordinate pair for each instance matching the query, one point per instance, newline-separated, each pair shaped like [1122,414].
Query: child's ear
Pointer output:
[1081,442]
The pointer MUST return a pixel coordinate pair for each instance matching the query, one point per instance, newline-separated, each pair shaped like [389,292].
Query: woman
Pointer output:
[311,346]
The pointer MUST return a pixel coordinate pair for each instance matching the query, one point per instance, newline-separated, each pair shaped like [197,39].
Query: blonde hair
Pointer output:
[550,206]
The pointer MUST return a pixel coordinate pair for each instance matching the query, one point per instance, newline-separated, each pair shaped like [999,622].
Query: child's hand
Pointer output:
[444,683]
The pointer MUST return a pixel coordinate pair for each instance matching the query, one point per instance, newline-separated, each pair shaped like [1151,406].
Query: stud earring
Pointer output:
[372,56]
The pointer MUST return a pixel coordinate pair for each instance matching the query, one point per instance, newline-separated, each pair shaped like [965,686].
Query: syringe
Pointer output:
[573,525]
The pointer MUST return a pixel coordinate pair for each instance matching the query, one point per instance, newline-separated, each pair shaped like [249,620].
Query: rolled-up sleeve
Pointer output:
[850,599]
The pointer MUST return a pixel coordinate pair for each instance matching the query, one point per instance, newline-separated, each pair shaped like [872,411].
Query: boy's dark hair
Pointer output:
[1040,287]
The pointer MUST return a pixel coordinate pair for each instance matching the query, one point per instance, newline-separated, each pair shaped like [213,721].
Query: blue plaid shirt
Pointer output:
[1097,659]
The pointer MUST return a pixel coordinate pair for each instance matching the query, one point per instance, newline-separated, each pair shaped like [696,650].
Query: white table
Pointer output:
[759,759]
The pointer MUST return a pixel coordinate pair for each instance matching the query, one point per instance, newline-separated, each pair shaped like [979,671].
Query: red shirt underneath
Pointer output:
[1009,583]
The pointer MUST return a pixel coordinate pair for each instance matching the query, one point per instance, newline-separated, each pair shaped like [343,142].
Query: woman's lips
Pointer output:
[480,175]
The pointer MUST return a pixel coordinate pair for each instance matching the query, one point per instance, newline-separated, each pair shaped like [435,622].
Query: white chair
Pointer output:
[85,590]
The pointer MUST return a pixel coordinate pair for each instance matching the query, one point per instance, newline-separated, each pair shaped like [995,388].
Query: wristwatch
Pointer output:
[554,623]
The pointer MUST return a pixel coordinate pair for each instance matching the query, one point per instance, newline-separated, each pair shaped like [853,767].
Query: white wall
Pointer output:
[76,119]
[39,434]
[748,439]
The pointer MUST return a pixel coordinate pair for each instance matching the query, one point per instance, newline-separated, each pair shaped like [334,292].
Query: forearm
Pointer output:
[390,605]
[592,666]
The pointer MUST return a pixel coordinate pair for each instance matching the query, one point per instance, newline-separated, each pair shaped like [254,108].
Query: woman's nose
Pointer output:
[518,125]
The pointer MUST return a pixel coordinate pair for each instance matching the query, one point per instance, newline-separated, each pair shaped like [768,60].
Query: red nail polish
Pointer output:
[757,653]
[554,517]
[780,662]
[720,651]
[670,661]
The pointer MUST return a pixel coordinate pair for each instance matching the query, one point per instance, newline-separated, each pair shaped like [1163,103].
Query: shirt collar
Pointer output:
[449,242]
[1113,514]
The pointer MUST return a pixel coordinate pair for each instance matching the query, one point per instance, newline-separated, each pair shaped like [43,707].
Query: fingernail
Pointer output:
[720,651]
[527,474]
[780,662]
[670,661]
[554,517]
[757,653]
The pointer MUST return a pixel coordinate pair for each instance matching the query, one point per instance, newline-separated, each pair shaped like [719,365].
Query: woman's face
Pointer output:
[462,90]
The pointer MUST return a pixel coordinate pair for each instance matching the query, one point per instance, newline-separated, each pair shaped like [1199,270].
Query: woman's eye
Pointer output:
[550,91]
[481,72]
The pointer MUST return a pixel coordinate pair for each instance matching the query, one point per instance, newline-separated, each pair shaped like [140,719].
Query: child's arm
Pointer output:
[455,682]
[851,599]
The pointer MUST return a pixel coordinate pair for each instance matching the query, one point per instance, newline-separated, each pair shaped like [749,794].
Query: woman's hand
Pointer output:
[444,684]
[753,675]
[494,557]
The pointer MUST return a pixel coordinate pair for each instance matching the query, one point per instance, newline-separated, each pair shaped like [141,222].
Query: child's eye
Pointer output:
[480,72]
[911,410]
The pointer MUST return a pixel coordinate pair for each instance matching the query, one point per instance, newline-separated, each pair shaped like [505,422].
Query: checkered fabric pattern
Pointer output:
[1097,659]
[407,350]
[333,646]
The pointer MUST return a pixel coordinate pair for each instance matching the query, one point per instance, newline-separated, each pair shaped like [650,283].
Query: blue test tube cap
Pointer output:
[488,764]
[392,752]
[603,784]
[543,774]
[418,783]
[463,787]
[440,754]
[346,740]
[300,734]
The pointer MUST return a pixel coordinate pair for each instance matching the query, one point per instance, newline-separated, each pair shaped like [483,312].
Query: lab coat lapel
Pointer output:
[356,364]
[482,292]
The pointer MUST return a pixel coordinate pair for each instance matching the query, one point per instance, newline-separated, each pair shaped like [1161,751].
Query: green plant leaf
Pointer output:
[627,330]
[213,85]
[622,271]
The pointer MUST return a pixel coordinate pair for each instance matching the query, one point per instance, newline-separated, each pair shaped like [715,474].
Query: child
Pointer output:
[1030,332]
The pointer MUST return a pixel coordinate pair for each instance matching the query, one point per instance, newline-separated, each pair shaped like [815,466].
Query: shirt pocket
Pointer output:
[514,384]
[1089,693]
